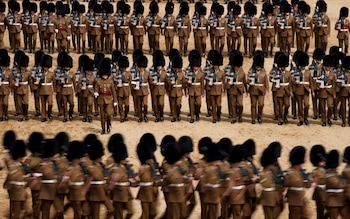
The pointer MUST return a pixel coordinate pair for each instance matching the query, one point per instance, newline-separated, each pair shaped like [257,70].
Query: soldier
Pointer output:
[74,18]
[258,86]
[195,83]
[105,94]
[335,184]
[326,84]
[303,87]
[285,25]
[158,79]
[229,18]
[212,19]
[220,26]
[5,88]
[68,19]
[123,88]
[318,176]
[50,27]
[95,29]
[80,22]
[268,24]
[305,29]
[47,85]
[98,57]
[118,17]
[252,24]
[13,21]
[235,29]
[137,22]
[140,86]
[283,84]
[295,179]
[86,84]
[108,28]
[344,90]
[153,21]
[123,25]
[2,23]
[35,73]
[272,74]
[338,71]
[346,175]
[91,19]
[61,29]
[246,19]
[183,25]
[22,81]
[116,73]
[342,26]
[42,20]
[25,17]
[236,83]
[322,26]
[32,29]
[168,25]
[200,27]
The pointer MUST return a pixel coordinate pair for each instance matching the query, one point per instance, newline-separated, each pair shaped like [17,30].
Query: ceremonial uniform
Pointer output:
[322,28]
[302,92]
[62,35]
[176,84]
[200,26]
[95,31]
[235,30]
[285,25]
[123,95]
[138,28]
[195,91]
[22,82]
[305,29]
[220,33]
[183,31]
[268,26]
[80,24]
[140,82]
[13,22]
[153,28]
[47,85]
[5,90]
[342,26]
[283,93]
[169,25]
[108,30]
[50,31]
[252,34]
[159,89]
[42,21]
[123,26]
[86,84]
[67,91]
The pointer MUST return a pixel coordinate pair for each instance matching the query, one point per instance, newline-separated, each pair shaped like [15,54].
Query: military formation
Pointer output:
[73,174]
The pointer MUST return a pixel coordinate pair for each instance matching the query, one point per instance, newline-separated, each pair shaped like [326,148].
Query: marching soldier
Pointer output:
[338,71]
[235,29]
[220,26]
[2,23]
[153,21]
[272,74]
[168,24]
[108,29]
[42,21]
[158,79]
[304,85]
[68,19]
[317,56]
[22,81]
[50,27]
[342,26]
[105,94]
[176,84]
[123,88]
[5,88]
[305,29]
[80,22]
[140,86]
[74,17]
[252,24]
[123,25]
[61,29]
[229,21]
[285,25]
[211,20]
[91,19]
[59,73]
[25,17]
[344,90]
[236,84]
[318,176]
[326,84]
[138,25]
[86,84]
[115,72]
[13,21]
[200,27]
[183,25]
[118,17]
[195,84]
[258,86]
[95,29]
[322,25]
[32,29]
[268,23]
[346,175]
[246,19]
[47,85]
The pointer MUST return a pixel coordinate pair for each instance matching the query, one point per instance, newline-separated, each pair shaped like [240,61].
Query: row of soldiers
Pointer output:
[100,27]
[60,171]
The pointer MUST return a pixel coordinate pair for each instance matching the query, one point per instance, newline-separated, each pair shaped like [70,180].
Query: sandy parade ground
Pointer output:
[290,135]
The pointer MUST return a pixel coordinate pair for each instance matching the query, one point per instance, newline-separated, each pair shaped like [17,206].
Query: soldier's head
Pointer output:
[177,63]
[283,61]
[158,60]
[236,59]
[169,8]
[217,60]
[344,12]
[318,55]
[219,10]
[5,61]
[268,158]
[305,10]
[318,155]
[33,8]
[142,62]
[105,68]
[123,62]
[297,156]
[75,151]
[195,59]
[332,159]
[23,62]
[328,62]
[18,150]
[302,60]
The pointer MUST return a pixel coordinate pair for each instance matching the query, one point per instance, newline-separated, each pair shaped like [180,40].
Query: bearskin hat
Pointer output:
[237,154]
[123,62]
[303,59]
[23,61]
[237,10]
[120,152]
[318,54]
[60,9]
[75,150]
[268,157]
[172,152]
[9,138]
[144,151]
[126,9]
[184,9]
[202,10]
[25,5]
[51,7]
[36,142]
[197,5]
[88,65]
[230,6]
[268,9]
[213,6]
[214,153]
[219,10]
[169,8]
[277,148]
[285,7]
[249,148]
[346,155]
[305,9]
[165,140]
[225,145]
[317,154]
[346,63]
[92,4]
[258,59]
[115,55]
[49,149]
[114,140]
[37,57]
[150,139]
[237,58]
[186,144]
[297,155]
[283,60]
[172,53]
[196,60]
[46,61]
[328,61]
[247,6]
[203,144]
[62,141]
[142,62]
[75,6]
[217,59]
[18,149]
[139,9]
[321,5]
[177,62]
[97,9]
[332,159]
[120,5]
[81,9]
[96,150]
[158,58]
[154,8]
[33,7]
[344,12]
[98,57]
[252,10]
[136,55]
[2,6]
[105,67]
[66,61]
[109,8]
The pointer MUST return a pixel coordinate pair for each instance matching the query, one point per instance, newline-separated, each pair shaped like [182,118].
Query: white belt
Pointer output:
[305,28]
[111,25]
[238,187]
[81,25]
[17,183]
[122,183]
[155,25]
[183,27]
[270,27]
[68,85]
[37,174]
[16,24]
[196,84]
[303,82]
[144,184]
[160,83]
[23,83]
[33,24]
[259,85]
[49,181]
[90,86]
[344,30]
[76,183]
[144,84]
[96,25]
[327,86]
[125,84]
[321,186]
[220,28]
[5,82]
[346,85]
[212,185]
[124,27]
[2,23]
[237,83]
[288,27]
[324,25]
[202,28]
[69,26]
[239,27]
[217,83]
[139,26]
[253,27]
[176,185]
[49,24]
[98,182]
[284,84]
[296,188]
[169,27]
[269,189]
[177,85]
[335,190]
[46,84]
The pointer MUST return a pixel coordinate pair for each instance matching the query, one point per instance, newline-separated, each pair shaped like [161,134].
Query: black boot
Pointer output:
[49,112]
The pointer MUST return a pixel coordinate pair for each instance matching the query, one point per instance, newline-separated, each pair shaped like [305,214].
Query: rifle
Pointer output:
[322,80]
[252,76]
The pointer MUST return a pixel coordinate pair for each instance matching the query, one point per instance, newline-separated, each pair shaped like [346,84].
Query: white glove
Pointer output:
[96,94]
[56,30]
[115,104]
[68,38]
